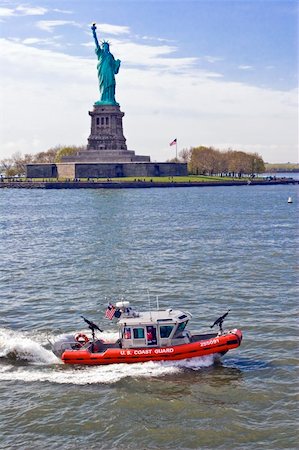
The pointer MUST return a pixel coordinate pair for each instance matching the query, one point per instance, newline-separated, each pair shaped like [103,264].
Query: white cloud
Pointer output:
[30,41]
[51,42]
[50,25]
[6,12]
[133,54]
[112,29]
[31,11]
[212,59]
[22,11]
[244,67]
[149,55]
[153,38]
[47,96]
[62,11]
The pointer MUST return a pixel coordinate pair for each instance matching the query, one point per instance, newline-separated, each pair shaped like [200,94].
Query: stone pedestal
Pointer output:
[106,142]
[106,128]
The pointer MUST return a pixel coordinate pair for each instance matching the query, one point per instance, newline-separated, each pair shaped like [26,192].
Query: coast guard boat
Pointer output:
[157,335]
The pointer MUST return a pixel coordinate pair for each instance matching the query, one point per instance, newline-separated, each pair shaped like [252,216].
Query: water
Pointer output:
[203,249]
[294,175]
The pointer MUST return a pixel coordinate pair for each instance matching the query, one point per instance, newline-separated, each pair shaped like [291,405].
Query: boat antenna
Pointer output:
[219,321]
[149,304]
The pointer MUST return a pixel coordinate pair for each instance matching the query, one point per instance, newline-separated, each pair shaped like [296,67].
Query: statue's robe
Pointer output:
[107,67]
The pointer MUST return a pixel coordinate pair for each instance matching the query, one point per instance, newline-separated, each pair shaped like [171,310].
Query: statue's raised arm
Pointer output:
[107,69]
[94,27]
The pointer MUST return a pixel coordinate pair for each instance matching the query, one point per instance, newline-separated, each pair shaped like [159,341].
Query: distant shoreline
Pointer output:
[136,184]
[282,170]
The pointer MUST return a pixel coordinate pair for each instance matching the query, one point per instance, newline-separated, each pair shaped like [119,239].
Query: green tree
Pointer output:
[67,151]
[257,164]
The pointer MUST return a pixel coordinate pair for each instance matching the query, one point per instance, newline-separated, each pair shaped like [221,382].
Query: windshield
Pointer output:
[180,328]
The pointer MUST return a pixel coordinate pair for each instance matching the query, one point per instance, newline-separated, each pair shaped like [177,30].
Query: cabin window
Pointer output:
[151,335]
[165,331]
[138,333]
[127,333]
[180,328]
[102,120]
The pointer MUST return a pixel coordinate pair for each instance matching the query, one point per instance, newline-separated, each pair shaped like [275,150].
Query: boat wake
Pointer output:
[20,347]
[27,360]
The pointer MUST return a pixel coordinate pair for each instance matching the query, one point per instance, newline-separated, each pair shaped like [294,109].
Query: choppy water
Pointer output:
[204,249]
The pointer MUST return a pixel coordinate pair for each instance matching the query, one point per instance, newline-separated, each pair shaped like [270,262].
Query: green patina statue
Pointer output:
[107,67]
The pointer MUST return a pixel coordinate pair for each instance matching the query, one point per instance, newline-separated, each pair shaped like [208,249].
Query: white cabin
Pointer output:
[157,328]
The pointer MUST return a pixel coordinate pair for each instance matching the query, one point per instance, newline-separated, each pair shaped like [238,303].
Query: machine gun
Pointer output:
[92,326]
[220,321]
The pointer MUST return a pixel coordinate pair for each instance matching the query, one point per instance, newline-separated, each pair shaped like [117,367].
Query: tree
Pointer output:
[16,164]
[67,151]
[257,164]
[8,168]
[19,162]
[204,160]
[185,155]
[46,157]
[210,161]
[238,163]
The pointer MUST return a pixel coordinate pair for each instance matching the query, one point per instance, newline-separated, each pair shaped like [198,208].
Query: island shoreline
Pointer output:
[136,184]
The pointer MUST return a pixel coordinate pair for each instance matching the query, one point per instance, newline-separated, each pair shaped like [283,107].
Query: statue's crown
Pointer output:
[105,42]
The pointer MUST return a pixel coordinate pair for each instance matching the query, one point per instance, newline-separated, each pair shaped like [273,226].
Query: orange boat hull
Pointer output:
[219,344]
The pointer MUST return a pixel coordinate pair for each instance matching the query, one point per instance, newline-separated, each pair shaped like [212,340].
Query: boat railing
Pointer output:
[203,337]
[72,345]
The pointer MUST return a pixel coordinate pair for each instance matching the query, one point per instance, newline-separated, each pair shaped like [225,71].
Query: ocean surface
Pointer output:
[65,253]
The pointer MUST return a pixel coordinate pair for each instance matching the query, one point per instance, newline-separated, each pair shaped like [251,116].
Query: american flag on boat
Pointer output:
[110,311]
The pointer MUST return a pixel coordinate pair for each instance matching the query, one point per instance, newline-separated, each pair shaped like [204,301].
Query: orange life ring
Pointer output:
[81,338]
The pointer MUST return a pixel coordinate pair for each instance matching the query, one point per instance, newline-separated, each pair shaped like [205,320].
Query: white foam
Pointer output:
[21,347]
[194,363]
[102,374]
[87,375]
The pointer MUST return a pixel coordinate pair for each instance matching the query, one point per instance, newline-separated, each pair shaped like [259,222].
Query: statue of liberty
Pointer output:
[107,67]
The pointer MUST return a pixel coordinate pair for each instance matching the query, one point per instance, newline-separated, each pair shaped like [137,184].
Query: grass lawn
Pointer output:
[185,179]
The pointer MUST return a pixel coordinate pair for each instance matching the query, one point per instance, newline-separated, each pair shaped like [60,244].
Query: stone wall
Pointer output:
[105,170]
[67,170]
[118,170]
[41,171]
[105,156]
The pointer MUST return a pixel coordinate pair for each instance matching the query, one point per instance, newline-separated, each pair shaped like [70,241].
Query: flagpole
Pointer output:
[175,142]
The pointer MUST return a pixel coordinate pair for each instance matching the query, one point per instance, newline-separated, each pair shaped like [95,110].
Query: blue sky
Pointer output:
[220,73]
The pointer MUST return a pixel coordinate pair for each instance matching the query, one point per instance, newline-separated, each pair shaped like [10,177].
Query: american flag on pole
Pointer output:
[110,311]
[173,142]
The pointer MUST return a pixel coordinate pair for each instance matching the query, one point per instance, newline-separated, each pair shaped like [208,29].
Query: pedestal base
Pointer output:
[106,142]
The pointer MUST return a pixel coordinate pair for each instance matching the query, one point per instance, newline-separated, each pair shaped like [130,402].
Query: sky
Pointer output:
[218,73]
